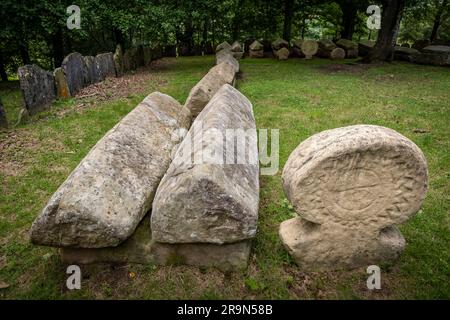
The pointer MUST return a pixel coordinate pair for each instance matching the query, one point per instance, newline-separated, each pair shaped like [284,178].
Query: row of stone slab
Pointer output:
[141,196]
[40,87]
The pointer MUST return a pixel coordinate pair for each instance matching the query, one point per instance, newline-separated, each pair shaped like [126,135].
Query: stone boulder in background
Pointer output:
[75,70]
[62,89]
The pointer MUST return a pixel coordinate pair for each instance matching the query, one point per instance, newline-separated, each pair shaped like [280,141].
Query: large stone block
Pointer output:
[140,248]
[62,89]
[228,57]
[350,187]
[92,74]
[279,43]
[210,192]
[405,54]
[37,86]
[256,50]
[109,192]
[282,54]
[350,48]
[223,46]
[118,61]
[206,88]
[309,48]
[75,70]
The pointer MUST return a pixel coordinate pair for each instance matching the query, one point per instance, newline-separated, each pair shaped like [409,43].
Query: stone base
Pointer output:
[140,249]
[316,247]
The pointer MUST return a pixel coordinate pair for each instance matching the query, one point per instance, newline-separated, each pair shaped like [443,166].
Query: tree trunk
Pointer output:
[237,20]
[387,36]
[3,73]
[288,15]
[349,14]
[24,54]
[437,21]
[119,38]
[58,47]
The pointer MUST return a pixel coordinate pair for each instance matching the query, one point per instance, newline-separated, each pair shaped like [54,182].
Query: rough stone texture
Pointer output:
[207,87]
[3,119]
[140,248]
[223,46]
[118,60]
[129,62]
[62,89]
[75,71]
[227,56]
[364,47]
[327,49]
[350,47]
[282,54]
[37,86]
[92,74]
[236,47]
[309,48]
[405,54]
[105,65]
[256,50]
[209,201]
[279,43]
[437,49]
[433,55]
[350,187]
[109,192]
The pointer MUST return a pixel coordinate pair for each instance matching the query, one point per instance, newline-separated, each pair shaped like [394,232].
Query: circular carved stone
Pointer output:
[363,175]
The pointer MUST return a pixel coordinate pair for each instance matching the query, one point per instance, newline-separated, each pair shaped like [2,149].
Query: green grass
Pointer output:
[297,97]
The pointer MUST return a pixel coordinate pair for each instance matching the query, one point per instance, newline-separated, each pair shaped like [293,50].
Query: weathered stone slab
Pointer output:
[206,88]
[118,61]
[3,119]
[328,49]
[364,47]
[350,187]
[210,192]
[109,192]
[282,54]
[420,44]
[129,62]
[75,70]
[227,56]
[350,48]
[105,65]
[140,248]
[147,56]
[309,48]
[37,86]
[236,47]
[92,74]
[62,89]
[437,49]
[434,59]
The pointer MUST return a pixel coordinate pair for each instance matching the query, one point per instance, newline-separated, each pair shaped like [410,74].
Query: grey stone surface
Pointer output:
[37,86]
[278,44]
[228,57]
[236,47]
[206,88]
[223,46]
[141,249]
[3,119]
[62,89]
[109,192]
[75,70]
[364,47]
[92,72]
[204,200]
[256,50]
[350,187]
[350,48]
[105,65]
[328,49]
[405,54]
[282,54]
[420,44]
[147,56]
[437,49]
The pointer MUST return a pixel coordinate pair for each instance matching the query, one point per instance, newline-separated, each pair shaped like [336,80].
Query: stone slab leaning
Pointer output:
[210,193]
[110,191]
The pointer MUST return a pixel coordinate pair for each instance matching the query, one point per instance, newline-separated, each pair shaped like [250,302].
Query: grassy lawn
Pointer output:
[297,97]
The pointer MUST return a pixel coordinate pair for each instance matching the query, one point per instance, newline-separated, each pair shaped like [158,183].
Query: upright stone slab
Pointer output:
[62,89]
[37,86]
[105,65]
[309,48]
[147,56]
[129,62]
[223,46]
[3,119]
[282,54]
[256,50]
[118,61]
[227,56]
[279,43]
[210,193]
[206,88]
[350,187]
[75,70]
[110,191]
[92,74]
